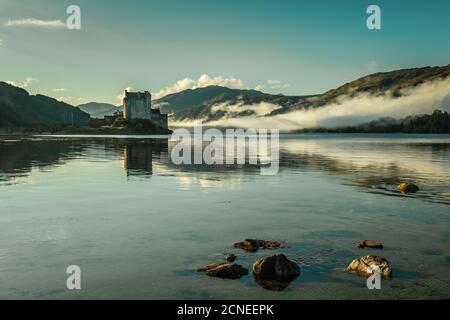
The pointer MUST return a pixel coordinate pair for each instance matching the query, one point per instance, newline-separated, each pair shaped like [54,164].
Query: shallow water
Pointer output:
[139,226]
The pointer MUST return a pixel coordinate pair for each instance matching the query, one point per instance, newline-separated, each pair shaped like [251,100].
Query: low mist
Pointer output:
[346,111]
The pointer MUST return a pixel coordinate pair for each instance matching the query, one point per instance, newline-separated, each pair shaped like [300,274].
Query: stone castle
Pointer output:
[138,105]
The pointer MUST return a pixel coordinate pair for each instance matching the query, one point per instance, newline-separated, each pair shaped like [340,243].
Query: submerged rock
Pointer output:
[275,272]
[369,244]
[274,285]
[406,187]
[224,270]
[267,244]
[252,245]
[230,257]
[362,266]
[210,266]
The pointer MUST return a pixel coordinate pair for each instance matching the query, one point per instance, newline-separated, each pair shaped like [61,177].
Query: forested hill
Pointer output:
[20,109]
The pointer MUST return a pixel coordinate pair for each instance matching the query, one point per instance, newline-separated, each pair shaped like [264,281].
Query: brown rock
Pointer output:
[252,245]
[224,270]
[230,257]
[369,244]
[210,266]
[406,187]
[362,266]
[267,244]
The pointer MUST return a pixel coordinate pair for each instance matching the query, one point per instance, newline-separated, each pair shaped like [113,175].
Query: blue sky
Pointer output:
[290,47]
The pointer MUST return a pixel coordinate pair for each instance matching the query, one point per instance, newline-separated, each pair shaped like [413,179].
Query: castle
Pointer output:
[138,105]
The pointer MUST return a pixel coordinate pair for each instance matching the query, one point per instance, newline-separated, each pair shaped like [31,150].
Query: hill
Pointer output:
[214,102]
[20,109]
[99,110]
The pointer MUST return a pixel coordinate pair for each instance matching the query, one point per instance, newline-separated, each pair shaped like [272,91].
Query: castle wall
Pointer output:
[160,119]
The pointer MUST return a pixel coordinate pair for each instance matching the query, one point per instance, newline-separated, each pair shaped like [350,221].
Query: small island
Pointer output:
[137,117]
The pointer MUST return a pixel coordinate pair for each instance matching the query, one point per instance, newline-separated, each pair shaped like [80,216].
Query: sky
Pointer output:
[164,46]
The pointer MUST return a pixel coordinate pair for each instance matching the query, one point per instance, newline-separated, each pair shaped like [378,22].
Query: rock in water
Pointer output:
[224,270]
[369,244]
[230,257]
[276,267]
[406,187]
[362,266]
[275,272]
[210,266]
[253,245]
[250,245]
[267,244]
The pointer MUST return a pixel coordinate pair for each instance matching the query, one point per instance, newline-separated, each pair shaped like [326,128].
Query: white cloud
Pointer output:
[277,84]
[372,66]
[272,84]
[1,42]
[26,82]
[258,109]
[65,99]
[31,22]
[120,97]
[59,90]
[204,81]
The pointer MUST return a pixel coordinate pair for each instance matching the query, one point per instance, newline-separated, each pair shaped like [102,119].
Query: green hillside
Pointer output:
[20,109]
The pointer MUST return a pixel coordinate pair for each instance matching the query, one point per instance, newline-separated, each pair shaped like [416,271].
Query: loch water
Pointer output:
[139,226]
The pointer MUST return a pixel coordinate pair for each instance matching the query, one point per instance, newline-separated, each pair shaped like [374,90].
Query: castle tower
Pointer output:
[137,105]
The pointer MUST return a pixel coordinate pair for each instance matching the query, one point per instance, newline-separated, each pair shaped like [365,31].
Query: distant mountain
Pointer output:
[200,102]
[202,97]
[214,102]
[99,110]
[381,83]
[20,109]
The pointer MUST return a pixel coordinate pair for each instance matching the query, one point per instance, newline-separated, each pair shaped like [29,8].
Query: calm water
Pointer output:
[139,226]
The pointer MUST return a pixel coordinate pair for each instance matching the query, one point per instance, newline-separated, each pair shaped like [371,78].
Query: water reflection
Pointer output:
[375,165]
[138,157]
[18,157]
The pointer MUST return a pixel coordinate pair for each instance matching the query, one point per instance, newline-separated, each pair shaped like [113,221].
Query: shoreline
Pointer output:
[87,133]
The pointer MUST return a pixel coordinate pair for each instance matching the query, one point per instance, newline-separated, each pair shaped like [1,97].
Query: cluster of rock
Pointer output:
[276,272]
[367,265]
